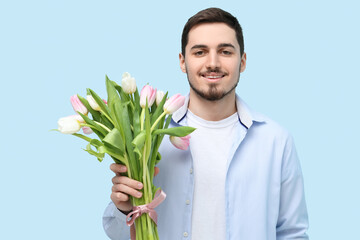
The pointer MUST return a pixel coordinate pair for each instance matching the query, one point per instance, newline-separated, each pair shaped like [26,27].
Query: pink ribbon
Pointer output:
[147,208]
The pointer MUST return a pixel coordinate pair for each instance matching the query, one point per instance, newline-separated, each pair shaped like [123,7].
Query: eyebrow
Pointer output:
[221,45]
[226,45]
[198,46]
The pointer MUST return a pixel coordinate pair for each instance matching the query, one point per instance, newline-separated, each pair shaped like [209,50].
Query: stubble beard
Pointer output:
[212,93]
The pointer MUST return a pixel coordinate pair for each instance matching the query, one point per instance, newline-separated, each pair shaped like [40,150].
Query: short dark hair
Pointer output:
[212,15]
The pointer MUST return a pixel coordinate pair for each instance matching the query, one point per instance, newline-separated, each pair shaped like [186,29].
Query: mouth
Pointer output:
[213,76]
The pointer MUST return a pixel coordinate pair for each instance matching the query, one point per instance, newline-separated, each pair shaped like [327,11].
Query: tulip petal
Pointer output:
[68,125]
[180,142]
[174,103]
[128,83]
[78,105]
[149,94]
[87,130]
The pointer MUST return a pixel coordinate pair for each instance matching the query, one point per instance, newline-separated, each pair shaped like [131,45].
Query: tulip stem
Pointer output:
[92,126]
[157,121]
[103,126]
[107,116]
[142,119]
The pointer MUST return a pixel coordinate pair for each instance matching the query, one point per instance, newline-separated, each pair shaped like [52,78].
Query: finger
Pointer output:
[156,171]
[127,190]
[118,197]
[118,168]
[127,181]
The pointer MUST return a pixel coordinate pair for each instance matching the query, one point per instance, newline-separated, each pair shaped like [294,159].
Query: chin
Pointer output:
[212,92]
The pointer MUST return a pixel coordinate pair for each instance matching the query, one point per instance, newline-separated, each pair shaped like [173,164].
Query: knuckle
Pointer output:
[114,180]
[122,179]
[114,198]
[112,166]
[117,188]
[118,197]
[123,197]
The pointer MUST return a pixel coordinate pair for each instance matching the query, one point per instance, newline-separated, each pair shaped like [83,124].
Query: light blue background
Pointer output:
[302,71]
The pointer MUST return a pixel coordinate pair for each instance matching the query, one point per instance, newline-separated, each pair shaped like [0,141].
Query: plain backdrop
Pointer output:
[302,71]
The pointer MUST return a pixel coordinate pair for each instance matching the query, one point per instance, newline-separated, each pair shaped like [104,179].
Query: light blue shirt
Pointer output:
[264,191]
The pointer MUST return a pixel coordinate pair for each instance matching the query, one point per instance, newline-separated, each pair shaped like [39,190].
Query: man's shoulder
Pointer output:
[265,125]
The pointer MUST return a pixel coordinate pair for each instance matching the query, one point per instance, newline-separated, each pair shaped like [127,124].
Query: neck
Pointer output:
[212,110]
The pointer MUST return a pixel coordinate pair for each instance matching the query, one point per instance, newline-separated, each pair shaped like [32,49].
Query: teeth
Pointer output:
[213,76]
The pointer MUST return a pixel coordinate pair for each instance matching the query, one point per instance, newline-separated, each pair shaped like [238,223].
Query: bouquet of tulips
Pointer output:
[129,128]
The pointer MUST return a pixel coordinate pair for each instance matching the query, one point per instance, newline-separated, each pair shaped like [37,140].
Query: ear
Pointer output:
[243,62]
[182,63]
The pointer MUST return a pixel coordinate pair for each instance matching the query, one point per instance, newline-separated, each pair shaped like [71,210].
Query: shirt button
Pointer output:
[187,202]
[186,234]
[191,170]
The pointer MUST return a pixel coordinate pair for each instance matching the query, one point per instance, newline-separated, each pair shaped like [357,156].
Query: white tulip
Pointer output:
[93,103]
[128,83]
[69,125]
[159,97]
[78,117]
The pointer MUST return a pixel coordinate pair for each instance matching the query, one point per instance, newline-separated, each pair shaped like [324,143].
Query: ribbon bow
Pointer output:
[147,208]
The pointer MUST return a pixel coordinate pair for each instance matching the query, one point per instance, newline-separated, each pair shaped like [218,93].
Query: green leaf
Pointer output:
[115,155]
[125,124]
[176,131]
[158,158]
[167,123]
[138,143]
[113,97]
[95,114]
[168,120]
[115,139]
[82,137]
[159,109]
[116,109]
[96,143]
[124,97]
[136,121]
[137,100]
[100,131]
[99,155]
[153,108]
[104,120]
[100,102]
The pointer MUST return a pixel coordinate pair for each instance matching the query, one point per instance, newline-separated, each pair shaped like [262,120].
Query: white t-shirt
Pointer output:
[210,144]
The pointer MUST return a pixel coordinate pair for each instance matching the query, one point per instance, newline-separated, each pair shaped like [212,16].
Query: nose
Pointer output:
[212,60]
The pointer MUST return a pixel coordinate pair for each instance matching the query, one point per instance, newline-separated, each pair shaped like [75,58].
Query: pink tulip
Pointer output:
[180,142]
[78,105]
[87,130]
[174,103]
[147,93]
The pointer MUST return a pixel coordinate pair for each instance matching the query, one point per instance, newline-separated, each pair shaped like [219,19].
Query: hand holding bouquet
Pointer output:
[130,128]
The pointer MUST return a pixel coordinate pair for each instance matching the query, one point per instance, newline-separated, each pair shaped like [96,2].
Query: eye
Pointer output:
[225,52]
[199,53]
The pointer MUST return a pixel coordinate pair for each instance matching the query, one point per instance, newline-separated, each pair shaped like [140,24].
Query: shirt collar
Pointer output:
[246,115]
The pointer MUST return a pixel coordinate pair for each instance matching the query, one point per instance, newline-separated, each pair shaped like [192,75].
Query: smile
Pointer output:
[213,77]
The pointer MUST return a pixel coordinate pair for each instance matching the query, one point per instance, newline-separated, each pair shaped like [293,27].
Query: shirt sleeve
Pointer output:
[114,223]
[293,219]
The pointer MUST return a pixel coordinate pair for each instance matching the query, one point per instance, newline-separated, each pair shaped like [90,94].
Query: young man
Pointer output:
[240,178]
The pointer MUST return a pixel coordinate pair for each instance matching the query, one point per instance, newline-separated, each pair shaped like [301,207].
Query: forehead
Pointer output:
[211,35]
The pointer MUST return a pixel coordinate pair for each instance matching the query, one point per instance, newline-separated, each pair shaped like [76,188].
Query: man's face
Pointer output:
[212,60]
